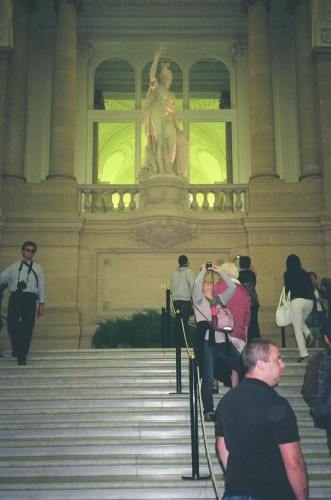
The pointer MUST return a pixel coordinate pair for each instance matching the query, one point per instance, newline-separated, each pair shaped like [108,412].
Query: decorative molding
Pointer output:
[205,27]
[325,35]
[238,49]
[164,232]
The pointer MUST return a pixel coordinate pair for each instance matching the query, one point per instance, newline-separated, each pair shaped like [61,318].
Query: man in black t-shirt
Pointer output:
[257,433]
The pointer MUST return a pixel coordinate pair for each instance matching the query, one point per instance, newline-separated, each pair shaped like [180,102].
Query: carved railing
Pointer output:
[204,198]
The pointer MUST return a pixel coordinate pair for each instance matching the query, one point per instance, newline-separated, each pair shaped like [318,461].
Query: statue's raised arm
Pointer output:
[167,146]
[152,72]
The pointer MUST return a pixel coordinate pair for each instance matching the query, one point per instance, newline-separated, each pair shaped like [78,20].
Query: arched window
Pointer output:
[210,134]
[114,138]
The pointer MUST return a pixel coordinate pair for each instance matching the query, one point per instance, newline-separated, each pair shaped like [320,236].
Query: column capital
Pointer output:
[76,3]
[291,5]
[246,4]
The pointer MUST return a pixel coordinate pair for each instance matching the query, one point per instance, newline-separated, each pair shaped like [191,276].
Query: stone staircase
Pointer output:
[90,424]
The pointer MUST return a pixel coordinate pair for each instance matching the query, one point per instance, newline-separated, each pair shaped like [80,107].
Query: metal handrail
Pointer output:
[195,396]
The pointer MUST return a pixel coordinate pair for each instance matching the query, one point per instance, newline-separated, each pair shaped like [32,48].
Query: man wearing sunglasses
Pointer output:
[27,286]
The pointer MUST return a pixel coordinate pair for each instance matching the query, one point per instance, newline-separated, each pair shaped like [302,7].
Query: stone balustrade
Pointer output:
[207,198]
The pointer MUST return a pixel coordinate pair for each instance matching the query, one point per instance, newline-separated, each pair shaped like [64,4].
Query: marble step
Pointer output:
[133,488]
[106,445]
[113,413]
[109,424]
[122,465]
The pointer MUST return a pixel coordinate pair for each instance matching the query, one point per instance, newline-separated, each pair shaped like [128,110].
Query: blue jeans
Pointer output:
[211,354]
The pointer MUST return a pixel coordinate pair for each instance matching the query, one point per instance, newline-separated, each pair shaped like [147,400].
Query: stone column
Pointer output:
[261,112]
[5,54]
[306,92]
[16,111]
[63,108]
[323,75]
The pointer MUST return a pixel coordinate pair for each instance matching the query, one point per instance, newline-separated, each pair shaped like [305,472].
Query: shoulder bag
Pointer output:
[283,313]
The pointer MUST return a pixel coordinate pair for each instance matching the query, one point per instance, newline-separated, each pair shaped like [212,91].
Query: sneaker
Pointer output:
[305,358]
[210,416]
[310,341]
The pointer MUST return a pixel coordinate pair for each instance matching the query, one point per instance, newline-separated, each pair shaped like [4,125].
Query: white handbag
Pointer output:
[283,313]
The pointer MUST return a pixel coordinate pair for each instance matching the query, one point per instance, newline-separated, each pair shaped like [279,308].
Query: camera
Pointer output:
[21,285]
[208,266]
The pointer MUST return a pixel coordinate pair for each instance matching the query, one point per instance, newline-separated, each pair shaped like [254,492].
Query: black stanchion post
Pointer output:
[178,328]
[163,327]
[167,320]
[282,332]
[194,421]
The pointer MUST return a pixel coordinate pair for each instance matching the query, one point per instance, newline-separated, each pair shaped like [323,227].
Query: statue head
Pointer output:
[166,75]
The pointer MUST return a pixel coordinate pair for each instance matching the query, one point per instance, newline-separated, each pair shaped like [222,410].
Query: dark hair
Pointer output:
[293,262]
[314,274]
[182,260]
[29,244]
[245,262]
[253,351]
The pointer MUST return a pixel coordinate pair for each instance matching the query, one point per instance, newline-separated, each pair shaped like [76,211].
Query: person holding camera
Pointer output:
[27,286]
[211,346]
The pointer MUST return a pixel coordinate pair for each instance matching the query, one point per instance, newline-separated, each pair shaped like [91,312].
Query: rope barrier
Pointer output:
[195,396]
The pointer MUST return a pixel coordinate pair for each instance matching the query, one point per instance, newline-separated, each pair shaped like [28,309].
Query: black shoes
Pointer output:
[210,416]
[21,362]
[310,341]
[305,358]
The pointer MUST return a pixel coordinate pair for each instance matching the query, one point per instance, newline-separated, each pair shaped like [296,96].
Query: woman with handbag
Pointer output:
[298,282]
[210,344]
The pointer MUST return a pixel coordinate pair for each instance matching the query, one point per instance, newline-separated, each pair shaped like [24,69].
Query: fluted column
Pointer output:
[16,113]
[5,54]
[307,106]
[62,130]
[261,112]
[322,56]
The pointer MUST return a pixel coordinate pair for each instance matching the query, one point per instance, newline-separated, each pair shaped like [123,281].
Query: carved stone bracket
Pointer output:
[160,195]
[164,231]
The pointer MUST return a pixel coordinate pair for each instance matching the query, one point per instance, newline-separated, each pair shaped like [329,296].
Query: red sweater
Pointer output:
[239,306]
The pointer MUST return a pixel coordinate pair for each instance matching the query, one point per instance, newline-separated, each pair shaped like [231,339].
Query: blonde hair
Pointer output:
[230,269]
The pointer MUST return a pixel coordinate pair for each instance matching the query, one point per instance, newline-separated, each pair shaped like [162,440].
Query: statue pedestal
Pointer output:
[164,217]
[163,194]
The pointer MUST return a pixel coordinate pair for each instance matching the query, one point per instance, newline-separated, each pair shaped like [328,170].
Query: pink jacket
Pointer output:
[239,306]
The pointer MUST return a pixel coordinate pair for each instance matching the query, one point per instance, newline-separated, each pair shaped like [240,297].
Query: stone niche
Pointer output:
[163,218]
